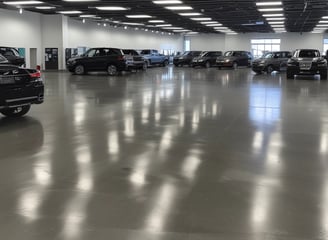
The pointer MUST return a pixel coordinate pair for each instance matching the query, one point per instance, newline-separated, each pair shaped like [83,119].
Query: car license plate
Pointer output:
[7,80]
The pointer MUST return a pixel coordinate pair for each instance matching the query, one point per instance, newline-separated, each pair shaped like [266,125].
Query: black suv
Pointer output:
[111,60]
[19,88]
[12,55]
[206,59]
[234,59]
[271,61]
[186,58]
[307,62]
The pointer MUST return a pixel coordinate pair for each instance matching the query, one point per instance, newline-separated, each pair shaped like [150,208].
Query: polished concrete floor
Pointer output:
[168,154]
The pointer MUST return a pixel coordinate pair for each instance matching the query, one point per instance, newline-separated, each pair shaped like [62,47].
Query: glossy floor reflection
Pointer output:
[168,154]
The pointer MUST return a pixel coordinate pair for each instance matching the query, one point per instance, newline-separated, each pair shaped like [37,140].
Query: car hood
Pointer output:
[259,59]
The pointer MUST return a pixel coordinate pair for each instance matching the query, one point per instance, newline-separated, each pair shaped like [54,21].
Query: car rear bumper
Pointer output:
[224,64]
[312,71]
[11,96]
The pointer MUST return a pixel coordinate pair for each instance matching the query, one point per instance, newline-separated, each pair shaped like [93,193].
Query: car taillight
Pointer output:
[120,58]
[36,74]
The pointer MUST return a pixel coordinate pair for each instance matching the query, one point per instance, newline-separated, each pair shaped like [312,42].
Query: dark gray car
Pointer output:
[206,59]
[234,59]
[271,61]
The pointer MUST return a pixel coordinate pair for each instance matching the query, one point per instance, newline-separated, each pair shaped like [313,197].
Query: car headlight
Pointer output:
[72,62]
[322,63]
[292,62]
[200,60]
[227,60]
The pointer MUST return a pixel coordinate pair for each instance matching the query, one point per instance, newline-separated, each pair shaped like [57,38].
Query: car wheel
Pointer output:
[269,69]
[290,74]
[112,70]
[144,66]
[235,65]
[177,65]
[165,63]
[207,64]
[258,72]
[79,70]
[323,75]
[219,68]
[16,112]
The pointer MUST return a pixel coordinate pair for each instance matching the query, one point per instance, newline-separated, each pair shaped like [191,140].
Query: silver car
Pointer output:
[271,61]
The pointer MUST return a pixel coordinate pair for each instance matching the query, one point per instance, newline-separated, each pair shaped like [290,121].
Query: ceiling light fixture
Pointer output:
[70,12]
[22,2]
[275,23]
[133,24]
[168,2]
[179,8]
[201,19]
[189,14]
[45,7]
[268,3]
[111,8]
[275,19]
[270,9]
[163,25]
[156,21]
[214,25]
[172,28]
[273,15]
[138,16]
[209,22]
[80,0]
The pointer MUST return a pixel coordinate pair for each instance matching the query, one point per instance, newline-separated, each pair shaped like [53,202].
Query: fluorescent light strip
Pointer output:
[201,19]
[23,2]
[325,17]
[209,22]
[323,21]
[132,24]
[70,12]
[275,23]
[156,21]
[214,25]
[167,2]
[189,14]
[270,9]
[45,7]
[275,19]
[138,16]
[277,26]
[172,28]
[179,8]
[268,3]
[181,30]
[273,15]
[111,8]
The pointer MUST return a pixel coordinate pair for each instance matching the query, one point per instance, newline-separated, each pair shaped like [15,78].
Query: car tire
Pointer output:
[290,74]
[207,64]
[219,68]
[165,63]
[144,66]
[235,65]
[269,69]
[323,75]
[148,63]
[112,70]
[258,72]
[16,112]
[176,65]
[79,69]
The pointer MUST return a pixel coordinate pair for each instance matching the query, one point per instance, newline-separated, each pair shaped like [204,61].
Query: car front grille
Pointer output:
[305,65]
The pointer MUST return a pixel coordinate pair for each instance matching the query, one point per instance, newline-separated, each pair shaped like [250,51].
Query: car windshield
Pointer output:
[2,59]
[144,52]
[9,52]
[186,53]
[268,55]
[229,54]
[203,54]
[308,54]
[131,52]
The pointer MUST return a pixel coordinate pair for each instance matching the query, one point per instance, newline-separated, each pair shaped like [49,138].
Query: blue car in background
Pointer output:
[153,57]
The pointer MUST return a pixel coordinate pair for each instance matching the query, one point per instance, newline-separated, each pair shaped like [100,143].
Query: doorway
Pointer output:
[33,57]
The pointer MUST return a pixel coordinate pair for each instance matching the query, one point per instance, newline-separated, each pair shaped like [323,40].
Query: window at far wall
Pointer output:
[262,46]
[187,45]
[325,46]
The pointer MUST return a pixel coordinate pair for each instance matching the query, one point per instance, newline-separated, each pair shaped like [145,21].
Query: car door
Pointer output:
[244,58]
[283,60]
[88,60]
[156,58]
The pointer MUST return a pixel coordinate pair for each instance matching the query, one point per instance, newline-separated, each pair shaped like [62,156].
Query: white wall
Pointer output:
[289,41]
[21,31]
[90,34]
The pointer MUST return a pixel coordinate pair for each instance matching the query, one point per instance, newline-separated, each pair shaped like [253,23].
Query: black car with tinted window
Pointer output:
[307,62]
[111,60]
[234,59]
[19,88]
[12,55]
[206,59]
[186,58]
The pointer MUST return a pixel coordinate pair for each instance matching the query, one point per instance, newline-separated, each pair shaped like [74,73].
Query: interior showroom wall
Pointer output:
[34,31]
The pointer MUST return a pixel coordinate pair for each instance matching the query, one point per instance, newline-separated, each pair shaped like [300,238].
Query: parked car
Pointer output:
[307,62]
[271,61]
[19,88]
[134,60]
[186,58]
[111,60]
[234,59]
[12,55]
[153,57]
[206,59]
